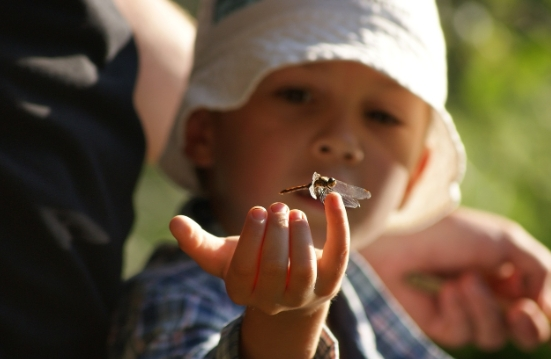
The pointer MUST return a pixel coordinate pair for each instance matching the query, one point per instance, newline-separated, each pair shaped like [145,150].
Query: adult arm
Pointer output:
[164,36]
[497,282]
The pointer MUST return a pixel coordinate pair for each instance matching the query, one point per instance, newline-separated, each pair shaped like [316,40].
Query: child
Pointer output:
[282,88]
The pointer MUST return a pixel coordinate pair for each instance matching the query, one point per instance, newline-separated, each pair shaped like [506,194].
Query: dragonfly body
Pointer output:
[321,186]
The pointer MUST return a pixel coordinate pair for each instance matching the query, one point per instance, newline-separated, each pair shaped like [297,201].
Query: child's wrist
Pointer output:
[283,334]
[305,311]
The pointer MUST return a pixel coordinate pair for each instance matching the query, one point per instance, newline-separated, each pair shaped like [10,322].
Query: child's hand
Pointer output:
[275,271]
[275,266]
[477,305]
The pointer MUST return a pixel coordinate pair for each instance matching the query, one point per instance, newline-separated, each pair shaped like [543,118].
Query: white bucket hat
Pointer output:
[239,42]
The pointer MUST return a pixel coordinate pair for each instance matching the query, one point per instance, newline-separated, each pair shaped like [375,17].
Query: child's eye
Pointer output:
[382,118]
[295,95]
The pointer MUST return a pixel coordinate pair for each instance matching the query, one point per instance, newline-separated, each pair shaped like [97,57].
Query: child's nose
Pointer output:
[339,147]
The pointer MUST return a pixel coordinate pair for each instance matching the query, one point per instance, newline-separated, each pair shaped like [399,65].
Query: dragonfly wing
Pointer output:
[348,190]
[350,202]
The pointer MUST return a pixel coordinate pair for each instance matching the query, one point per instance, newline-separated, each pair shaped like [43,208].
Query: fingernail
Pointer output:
[279,207]
[258,213]
[297,215]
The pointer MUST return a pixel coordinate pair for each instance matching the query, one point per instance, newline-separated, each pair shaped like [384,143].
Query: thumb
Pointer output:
[212,253]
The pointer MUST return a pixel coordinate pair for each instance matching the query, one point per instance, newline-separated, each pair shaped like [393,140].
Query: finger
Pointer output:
[451,327]
[533,260]
[243,269]
[528,324]
[544,300]
[274,262]
[212,253]
[303,266]
[334,260]
[485,313]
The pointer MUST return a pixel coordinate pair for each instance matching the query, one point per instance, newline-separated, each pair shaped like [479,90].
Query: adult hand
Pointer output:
[497,280]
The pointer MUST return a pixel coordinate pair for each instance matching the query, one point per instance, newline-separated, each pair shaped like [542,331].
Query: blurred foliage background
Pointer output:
[499,55]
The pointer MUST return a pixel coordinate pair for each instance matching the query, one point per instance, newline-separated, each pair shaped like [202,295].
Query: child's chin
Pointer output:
[307,202]
[361,238]
[359,243]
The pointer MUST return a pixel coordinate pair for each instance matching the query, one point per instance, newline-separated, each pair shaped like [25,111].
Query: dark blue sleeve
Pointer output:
[71,149]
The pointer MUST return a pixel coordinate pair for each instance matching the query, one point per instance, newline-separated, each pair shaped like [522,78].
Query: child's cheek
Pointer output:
[387,188]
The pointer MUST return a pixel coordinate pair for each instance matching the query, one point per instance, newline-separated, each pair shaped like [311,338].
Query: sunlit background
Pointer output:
[499,54]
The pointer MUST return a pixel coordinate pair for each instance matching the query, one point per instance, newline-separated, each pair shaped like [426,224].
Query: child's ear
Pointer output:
[199,138]
[416,173]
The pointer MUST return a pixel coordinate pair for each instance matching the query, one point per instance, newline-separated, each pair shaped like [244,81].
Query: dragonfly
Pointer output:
[321,186]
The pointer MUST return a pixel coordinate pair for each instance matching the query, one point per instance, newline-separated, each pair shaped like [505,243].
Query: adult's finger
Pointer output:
[334,260]
[528,325]
[533,261]
[450,325]
[486,314]
[212,253]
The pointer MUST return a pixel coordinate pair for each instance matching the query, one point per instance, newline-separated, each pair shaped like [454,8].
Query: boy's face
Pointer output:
[340,119]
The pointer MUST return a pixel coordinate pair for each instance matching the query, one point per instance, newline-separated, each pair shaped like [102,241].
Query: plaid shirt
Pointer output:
[173,309]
